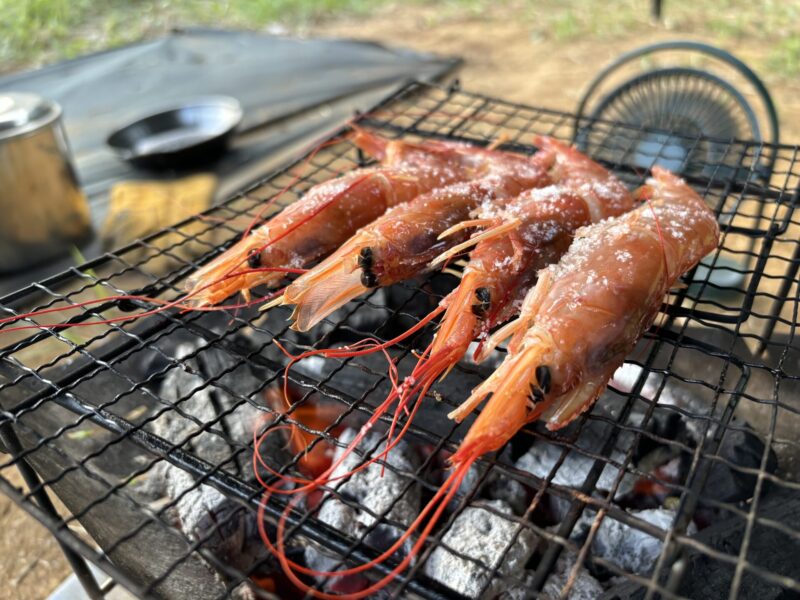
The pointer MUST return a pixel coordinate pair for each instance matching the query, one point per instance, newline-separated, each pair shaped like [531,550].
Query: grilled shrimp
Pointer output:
[527,235]
[400,244]
[332,211]
[587,312]
[576,326]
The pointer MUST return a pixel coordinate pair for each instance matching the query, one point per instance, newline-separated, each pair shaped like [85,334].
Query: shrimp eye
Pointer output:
[254,259]
[369,279]
[484,297]
[365,258]
[543,377]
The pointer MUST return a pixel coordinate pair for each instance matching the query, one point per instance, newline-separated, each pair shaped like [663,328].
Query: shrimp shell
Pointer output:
[503,265]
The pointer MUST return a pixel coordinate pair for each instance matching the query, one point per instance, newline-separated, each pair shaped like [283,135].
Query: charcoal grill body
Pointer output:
[100,413]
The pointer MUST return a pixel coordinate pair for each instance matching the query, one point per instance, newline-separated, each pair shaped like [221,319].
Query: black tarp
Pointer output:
[292,92]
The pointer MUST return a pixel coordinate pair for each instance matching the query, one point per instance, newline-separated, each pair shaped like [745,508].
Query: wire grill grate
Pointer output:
[100,412]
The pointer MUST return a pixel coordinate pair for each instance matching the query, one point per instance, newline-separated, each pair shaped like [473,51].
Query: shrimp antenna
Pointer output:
[436,505]
[361,348]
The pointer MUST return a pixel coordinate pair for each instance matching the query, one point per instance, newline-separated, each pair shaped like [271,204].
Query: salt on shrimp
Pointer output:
[577,325]
[400,244]
[330,212]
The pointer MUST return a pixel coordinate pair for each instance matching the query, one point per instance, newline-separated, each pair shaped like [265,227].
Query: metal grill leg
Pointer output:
[79,567]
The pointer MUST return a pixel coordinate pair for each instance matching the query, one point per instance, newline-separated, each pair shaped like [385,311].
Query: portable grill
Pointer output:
[101,416]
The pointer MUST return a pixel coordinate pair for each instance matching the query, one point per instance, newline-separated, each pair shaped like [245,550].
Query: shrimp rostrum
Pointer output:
[587,312]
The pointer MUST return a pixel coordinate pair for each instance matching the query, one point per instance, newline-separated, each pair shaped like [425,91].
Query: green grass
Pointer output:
[785,57]
[37,31]
[33,32]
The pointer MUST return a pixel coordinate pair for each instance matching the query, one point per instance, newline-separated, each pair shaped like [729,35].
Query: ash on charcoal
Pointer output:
[671,394]
[706,576]
[485,537]
[629,548]
[374,490]
[542,457]
[585,587]
[223,527]
[227,529]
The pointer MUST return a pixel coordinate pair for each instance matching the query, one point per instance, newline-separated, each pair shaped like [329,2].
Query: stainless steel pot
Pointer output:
[42,209]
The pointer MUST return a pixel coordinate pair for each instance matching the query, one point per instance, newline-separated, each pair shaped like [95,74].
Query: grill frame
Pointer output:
[755,317]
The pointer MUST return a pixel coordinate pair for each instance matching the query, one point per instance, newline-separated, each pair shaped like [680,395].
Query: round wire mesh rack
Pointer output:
[681,482]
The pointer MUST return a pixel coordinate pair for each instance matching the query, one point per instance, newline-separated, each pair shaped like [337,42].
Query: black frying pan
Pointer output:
[195,133]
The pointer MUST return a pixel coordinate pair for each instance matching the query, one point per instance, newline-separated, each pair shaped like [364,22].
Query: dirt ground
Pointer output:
[31,562]
[503,59]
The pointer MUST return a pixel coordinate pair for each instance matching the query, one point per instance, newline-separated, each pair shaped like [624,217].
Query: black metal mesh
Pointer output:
[133,425]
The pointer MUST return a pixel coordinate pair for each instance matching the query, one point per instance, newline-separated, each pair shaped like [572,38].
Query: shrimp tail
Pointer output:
[333,283]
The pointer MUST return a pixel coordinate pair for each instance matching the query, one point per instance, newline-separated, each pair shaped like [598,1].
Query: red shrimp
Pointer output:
[587,312]
[527,235]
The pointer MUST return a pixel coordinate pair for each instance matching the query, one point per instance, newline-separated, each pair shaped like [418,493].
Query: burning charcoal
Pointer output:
[585,587]
[705,576]
[629,548]
[223,527]
[740,446]
[509,490]
[373,492]
[670,394]
[244,591]
[485,537]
